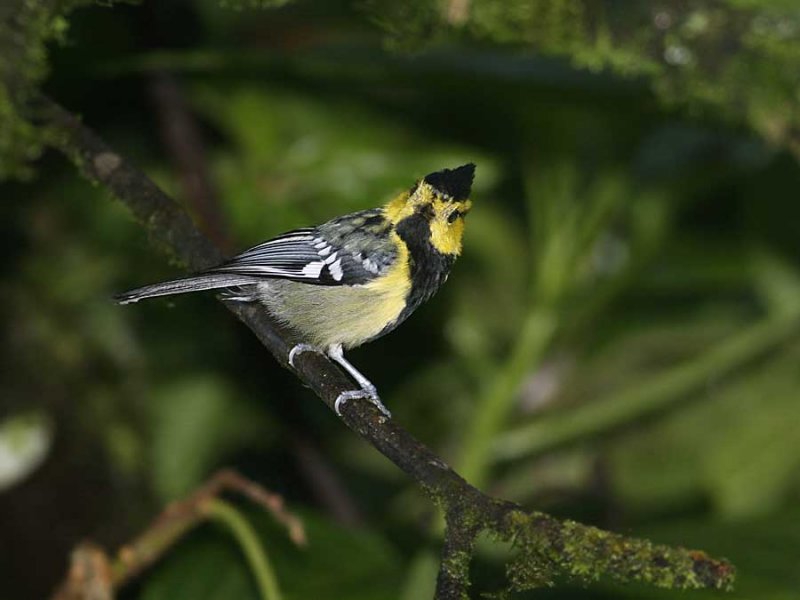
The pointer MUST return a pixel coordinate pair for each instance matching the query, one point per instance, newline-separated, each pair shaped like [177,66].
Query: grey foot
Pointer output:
[299,349]
[370,394]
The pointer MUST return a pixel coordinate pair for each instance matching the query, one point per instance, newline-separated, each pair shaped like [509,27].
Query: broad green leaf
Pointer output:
[734,445]
[337,563]
[195,422]
[207,566]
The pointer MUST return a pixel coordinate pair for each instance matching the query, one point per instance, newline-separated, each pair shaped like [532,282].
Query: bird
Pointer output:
[350,280]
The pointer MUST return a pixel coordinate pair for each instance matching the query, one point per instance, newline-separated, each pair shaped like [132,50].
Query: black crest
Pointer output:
[456,183]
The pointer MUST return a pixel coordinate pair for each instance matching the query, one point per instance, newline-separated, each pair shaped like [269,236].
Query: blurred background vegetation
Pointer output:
[619,344]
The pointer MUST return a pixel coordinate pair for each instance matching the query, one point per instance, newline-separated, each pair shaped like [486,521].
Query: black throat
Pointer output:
[429,267]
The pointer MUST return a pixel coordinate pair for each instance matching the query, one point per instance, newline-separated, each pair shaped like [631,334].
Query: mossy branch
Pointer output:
[546,547]
[735,60]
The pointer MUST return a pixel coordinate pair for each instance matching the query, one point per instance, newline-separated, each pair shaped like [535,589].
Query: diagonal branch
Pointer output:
[546,546]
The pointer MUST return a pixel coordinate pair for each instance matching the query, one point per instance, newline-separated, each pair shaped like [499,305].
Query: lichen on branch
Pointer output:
[27,27]
[735,60]
[548,548]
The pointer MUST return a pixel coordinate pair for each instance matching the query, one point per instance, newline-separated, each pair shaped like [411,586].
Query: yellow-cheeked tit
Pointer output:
[352,279]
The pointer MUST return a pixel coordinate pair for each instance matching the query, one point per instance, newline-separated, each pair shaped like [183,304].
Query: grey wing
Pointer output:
[336,253]
[350,250]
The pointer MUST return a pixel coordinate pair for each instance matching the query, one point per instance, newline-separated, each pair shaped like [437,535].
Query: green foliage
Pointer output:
[210,567]
[576,261]
[684,50]
[744,465]
[205,569]
[618,343]
[249,4]
[195,420]
[27,28]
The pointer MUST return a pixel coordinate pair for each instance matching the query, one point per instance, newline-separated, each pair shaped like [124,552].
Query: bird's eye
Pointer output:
[453,216]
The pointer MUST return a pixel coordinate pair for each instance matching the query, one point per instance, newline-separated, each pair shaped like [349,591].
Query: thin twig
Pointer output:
[94,576]
[230,480]
[181,136]
[89,576]
[324,481]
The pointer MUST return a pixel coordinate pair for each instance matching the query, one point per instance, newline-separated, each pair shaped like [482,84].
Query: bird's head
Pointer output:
[435,207]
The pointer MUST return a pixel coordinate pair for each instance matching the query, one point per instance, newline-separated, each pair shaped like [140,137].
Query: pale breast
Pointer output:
[350,315]
[326,315]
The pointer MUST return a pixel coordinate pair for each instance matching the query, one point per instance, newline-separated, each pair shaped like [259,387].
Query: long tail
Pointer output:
[196,283]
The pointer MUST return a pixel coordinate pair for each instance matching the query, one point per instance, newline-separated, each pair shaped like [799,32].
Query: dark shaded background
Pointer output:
[619,343]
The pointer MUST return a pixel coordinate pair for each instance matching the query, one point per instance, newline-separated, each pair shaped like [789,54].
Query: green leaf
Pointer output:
[207,566]
[337,563]
[195,422]
[736,447]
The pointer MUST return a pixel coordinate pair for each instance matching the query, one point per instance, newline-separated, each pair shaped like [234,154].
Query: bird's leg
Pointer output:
[337,355]
[367,390]
[299,349]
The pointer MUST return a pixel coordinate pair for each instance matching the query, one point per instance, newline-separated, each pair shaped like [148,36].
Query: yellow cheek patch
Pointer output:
[446,237]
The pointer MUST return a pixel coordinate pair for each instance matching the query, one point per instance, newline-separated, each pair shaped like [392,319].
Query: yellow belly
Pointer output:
[348,315]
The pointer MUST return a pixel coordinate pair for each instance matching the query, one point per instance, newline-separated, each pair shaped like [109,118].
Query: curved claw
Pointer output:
[369,394]
[299,349]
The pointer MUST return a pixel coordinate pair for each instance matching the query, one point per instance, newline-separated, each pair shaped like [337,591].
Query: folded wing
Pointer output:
[346,251]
